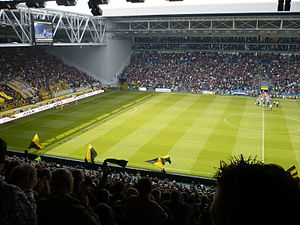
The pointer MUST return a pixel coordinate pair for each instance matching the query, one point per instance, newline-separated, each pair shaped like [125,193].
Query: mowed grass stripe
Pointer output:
[106,135]
[292,110]
[103,104]
[138,139]
[19,133]
[219,138]
[187,143]
[248,138]
[83,127]
[289,143]
[76,146]
[278,147]
[171,128]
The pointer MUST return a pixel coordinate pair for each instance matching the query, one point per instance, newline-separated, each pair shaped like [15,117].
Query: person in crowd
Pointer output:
[15,207]
[179,213]
[156,194]
[43,182]
[25,177]
[141,209]
[103,209]
[116,191]
[251,192]
[62,209]
[9,165]
[131,191]
[79,189]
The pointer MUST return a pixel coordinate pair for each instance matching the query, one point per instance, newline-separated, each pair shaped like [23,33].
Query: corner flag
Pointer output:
[160,162]
[36,143]
[90,154]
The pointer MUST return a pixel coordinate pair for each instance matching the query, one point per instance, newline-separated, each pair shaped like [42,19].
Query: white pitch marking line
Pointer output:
[263,135]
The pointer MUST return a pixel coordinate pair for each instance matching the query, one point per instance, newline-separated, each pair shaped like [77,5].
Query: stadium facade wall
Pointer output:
[104,63]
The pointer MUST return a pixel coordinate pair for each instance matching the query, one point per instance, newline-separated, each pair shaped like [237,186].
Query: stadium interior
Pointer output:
[53,63]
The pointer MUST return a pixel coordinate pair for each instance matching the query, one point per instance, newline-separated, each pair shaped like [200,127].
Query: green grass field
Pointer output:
[197,131]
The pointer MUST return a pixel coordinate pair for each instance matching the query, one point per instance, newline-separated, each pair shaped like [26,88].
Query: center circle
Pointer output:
[273,123]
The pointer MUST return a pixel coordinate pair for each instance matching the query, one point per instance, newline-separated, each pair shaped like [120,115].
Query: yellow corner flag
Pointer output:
[160,162]
[36,143]
[90,154]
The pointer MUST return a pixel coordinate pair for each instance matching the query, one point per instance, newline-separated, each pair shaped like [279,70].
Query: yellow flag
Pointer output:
[160,162]
[36,143]
[90,154]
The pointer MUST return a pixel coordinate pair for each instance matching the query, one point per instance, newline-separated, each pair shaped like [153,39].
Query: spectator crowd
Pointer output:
[59,194]
[40,70]
[262,43]
[193,71]
[248,192]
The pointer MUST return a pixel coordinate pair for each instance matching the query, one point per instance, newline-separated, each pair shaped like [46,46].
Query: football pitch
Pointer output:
[197,131]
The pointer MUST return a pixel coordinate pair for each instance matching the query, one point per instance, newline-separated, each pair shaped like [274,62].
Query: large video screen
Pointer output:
[43,32]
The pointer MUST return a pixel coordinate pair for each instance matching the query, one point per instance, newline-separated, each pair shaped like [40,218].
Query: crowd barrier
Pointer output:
[115,169]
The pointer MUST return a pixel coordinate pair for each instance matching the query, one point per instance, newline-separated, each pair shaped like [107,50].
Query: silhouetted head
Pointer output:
[131,191]
[251,192]
[175,195]
[144,185]
[3,148]
[23,176]
[102,195]
[62,182]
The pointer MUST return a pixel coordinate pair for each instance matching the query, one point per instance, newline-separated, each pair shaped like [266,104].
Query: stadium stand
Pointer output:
[15,206]
[90,187]
[219,72]
[261,44]
[32,75]
[29,75]
[54,192]
[104,196]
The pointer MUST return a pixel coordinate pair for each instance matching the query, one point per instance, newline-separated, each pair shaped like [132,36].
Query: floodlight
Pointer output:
[287,5]
[136,1]
[96,11]
[280,5]
[66,2]
[8,5]
[35,4]
[94,6]
[102,2]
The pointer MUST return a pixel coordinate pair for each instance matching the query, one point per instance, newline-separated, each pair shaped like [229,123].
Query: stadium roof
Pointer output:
[117,8]
[78,28]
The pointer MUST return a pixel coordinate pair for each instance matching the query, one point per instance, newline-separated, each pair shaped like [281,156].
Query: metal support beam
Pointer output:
[284,24]
[70,27]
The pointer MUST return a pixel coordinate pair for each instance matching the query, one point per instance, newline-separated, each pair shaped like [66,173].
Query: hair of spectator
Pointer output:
[144,185]
[23,176]
[251,192]
[3,148]
[62,182]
